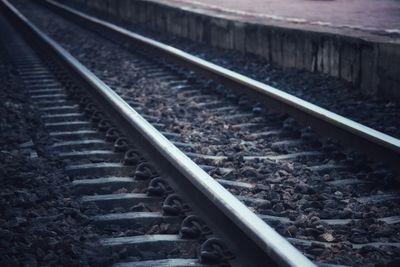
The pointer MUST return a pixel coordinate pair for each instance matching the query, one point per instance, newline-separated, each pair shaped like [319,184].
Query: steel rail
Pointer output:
[375,144]
[254,242]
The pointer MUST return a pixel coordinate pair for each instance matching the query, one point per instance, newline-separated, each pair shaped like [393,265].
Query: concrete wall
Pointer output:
[371,65]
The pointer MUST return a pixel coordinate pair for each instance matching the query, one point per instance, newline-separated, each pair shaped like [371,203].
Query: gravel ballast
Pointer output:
[41,224]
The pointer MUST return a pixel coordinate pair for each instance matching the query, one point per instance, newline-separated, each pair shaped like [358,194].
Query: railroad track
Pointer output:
[284,172]
[130,187]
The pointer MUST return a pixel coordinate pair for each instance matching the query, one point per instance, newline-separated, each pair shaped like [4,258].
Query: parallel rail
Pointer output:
[255,243]
[375,144]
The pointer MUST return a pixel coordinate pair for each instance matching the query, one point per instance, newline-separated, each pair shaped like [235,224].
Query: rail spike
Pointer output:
[104,125]
[121,144]
[97,116]
[112,135]
[175,206]
[214,251]
[159,187]
[90,108]
[194,227]
[84,100]
[145,171]
[132,157]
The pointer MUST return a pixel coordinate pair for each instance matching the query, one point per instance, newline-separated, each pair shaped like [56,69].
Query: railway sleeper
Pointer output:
[104,185]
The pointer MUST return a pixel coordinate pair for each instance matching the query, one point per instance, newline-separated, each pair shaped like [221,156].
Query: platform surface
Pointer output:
[373,16]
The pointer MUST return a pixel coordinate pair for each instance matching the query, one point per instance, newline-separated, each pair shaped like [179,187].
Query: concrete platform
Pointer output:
[357,41]
[372,16]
